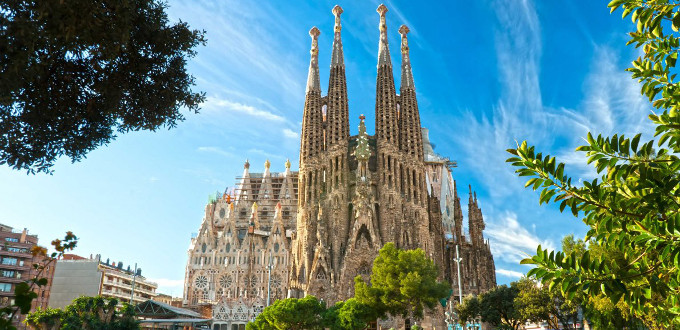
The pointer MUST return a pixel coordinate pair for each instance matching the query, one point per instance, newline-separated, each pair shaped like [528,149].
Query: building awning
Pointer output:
[176,321]
[157,310]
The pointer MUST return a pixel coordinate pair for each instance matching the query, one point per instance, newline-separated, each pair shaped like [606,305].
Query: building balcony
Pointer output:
[23,255]
[26,267]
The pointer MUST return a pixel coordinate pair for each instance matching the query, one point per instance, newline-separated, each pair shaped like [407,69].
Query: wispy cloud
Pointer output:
[214,104]
[266,154]
[510,241]
[215,150]
[509,273]
[289,133]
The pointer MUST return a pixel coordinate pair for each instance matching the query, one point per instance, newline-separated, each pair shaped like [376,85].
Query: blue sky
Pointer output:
[487,73]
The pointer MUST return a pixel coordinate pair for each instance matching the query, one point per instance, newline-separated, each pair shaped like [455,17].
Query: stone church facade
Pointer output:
[240,257]
[318,228]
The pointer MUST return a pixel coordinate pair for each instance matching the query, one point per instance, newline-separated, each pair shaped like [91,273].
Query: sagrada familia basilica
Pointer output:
[311,232]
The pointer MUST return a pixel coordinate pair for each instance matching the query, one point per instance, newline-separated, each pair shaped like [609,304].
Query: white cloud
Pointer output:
[509,273]
[510,241]
[289,133]
[169,286]
[266,154]
[214,104]
[215,150]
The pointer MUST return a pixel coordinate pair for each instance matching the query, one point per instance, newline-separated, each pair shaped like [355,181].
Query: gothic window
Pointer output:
[204,247]
[201,281]
[276,281]
[228,247]
[276,246]
[226,281]
[222,212]
[321,275]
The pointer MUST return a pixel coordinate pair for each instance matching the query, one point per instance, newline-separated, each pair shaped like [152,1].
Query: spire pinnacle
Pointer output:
[337,10]
[383,48]
[287,163]
[313,80]
[337,57]
[406,72]
[267,164]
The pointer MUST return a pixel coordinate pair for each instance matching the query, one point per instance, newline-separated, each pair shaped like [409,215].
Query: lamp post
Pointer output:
[132,293]
[460,288]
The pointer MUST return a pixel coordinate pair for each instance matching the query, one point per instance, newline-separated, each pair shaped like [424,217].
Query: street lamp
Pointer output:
[460,288]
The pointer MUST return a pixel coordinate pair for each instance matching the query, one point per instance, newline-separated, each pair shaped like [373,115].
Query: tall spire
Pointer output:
[383,48]
[312,125]
[406,73]
[386,124]
[313,81]
[410,137]
[337,117]
[337,59]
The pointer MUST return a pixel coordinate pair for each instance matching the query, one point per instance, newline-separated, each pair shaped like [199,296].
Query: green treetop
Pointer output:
[634,207]
[74,73]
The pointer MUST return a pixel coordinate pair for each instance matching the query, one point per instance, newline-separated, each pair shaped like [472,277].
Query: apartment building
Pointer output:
[76,276]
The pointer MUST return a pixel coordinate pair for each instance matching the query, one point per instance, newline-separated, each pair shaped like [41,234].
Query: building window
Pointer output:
[11,239]
[5,287]
[9,261]
[7,273]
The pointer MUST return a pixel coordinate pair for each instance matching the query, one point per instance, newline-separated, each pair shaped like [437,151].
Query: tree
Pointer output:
[403,283]
[469,310]
[349,315]
[73,73]
[533,303]
[634,207]
[536,303]
[497,307]
[291,313]
[86,313]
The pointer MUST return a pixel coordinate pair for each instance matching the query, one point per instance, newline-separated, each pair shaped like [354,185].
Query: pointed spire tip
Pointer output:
[337,10]
[382,9]
[404,29]
[314,32]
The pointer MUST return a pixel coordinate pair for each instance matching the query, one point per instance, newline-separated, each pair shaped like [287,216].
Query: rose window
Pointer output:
[201,282]
[276,281]
[226,281]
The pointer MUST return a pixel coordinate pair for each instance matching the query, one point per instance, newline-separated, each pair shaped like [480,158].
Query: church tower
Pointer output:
[357,193]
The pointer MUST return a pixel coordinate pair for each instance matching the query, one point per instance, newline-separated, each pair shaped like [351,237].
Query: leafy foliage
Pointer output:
[633,208]
[351,315]
[497,307]
[24,292]
[469,310]
[72,73]
[86,313]
[291,313]
[403,283]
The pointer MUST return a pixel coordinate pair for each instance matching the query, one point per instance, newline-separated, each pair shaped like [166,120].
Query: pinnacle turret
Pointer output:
[337,58]
[410,138]
[313,80]
[386,125]
[383,48]
[337,116]
[311,142]
[406,73]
